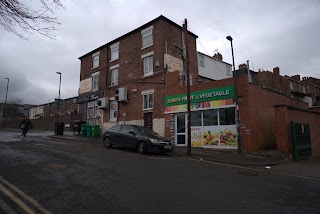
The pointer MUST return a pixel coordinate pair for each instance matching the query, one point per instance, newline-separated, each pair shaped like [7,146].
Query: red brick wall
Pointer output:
[257,115]
[284,115]
[48,123]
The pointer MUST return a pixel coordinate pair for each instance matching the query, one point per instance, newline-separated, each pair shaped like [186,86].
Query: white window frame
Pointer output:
[94,76]
[95,57]
[114,51]
[112,68]
[228,68]
[201,60]
[146,33]
[144,57]
[147,94]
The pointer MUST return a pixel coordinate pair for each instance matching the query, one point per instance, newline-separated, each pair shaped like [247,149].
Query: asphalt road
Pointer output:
[51,176]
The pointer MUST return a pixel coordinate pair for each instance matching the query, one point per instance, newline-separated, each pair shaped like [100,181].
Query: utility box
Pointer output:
[103,102]
[121,94]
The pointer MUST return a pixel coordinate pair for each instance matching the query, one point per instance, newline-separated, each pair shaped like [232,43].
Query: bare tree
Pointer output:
[15,15]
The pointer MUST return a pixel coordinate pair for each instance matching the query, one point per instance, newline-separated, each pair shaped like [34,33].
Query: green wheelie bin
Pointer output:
[89,130]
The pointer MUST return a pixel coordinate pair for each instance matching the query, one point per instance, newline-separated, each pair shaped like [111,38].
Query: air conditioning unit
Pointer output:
[103,102]
[121,94]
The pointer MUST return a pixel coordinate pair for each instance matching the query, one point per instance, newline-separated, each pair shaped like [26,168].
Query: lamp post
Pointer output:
[5,103]
[58,109]
[236,97]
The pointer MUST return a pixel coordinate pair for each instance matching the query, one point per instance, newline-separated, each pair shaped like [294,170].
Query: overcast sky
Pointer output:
[283,33]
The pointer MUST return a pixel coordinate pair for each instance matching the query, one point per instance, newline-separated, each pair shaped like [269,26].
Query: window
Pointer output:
[228,68]
[196,119]
[114,76]
[291,86]
[95,82]
[115,128]
[201,60]
[127,129]
[148,65]
[227,116]
[210,117]
[114,51]
[147,101]
[147,38]
[95,60]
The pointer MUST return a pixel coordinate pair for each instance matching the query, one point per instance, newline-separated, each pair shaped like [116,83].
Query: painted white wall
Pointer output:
[158,125]
[35,112]
[213,68]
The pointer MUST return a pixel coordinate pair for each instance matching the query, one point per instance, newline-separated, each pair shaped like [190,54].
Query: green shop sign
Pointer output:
[201,96]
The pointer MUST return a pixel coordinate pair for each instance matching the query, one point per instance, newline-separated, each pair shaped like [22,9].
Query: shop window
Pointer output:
[227,116]
[210,117]
[196,119]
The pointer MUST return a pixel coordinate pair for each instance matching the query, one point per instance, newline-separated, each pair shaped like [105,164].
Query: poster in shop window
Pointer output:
[113,111]
[196,136]
[211,135]
[228,135]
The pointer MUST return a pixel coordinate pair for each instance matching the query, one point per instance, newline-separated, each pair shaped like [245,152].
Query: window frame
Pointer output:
[114,48]
[95,57]
[148,56]
[147,94]
[112,68]
[93,77]
[201,60]
[116,82]
[145,34]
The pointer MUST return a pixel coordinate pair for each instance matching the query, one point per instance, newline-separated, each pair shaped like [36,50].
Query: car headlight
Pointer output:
[154,141]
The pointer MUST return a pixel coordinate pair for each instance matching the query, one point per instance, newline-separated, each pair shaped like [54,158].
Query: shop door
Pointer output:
[181,136]
[148,120]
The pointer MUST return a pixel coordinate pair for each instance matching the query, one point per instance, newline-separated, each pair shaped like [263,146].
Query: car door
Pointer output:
[128,139]
[115,134]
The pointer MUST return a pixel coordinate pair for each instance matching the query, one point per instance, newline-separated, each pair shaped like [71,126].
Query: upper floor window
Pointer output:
[95,60]
[148,63]
[147,38]
[114,76]
[148,99]
[114,51]
[201,60]
[291,86]
[228,68]
[95,81]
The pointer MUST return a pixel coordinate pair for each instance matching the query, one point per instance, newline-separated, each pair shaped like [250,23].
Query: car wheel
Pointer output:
[142,148]
[107,142]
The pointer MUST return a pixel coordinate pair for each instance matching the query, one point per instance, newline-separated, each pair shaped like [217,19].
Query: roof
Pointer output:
[161,17]
[214,58]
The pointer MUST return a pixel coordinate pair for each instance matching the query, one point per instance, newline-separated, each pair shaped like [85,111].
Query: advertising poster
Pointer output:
[211,135]
[113,111]
[196,136]
[228,135]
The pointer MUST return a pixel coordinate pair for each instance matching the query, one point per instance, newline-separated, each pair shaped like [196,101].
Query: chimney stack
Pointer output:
[276,71]
[243,66]
[217,56]
[296,77]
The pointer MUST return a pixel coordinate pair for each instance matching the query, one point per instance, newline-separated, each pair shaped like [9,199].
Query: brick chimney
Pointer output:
[276,71]
[217,56]
[296,77]
[242,66]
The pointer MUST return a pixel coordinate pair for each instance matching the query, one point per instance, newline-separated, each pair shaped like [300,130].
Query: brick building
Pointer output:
[139,78]
[136,65]
[43,116]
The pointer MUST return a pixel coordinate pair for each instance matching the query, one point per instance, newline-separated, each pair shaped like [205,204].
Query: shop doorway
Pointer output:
[181,136]
[148,117]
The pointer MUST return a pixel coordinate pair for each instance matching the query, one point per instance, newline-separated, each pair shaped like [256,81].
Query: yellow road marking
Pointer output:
[17,200]
[25,196]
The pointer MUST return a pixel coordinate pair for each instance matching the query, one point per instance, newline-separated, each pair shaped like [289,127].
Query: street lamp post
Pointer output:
[58,109]
[236,97]
[5,103]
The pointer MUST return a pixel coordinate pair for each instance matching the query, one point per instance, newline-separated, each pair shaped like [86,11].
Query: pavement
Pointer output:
[268,160]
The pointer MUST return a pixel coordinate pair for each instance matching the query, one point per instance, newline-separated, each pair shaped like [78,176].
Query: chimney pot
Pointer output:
[276,70]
